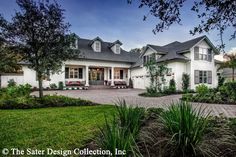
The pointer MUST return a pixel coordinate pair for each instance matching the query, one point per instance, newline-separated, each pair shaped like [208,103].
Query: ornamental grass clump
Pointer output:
[129,117]
[114,137]
[123,130]
[186,127]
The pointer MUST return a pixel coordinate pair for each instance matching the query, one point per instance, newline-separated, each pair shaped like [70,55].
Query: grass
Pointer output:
[56,128]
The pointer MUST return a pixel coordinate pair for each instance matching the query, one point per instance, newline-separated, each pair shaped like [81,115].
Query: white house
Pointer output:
[106,63]
[194,57]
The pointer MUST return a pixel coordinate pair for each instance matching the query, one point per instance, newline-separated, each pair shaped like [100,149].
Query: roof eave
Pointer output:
[209,43]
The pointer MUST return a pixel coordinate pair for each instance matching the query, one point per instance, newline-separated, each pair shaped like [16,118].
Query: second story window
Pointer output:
[149,58]
[97,46]
[202,54]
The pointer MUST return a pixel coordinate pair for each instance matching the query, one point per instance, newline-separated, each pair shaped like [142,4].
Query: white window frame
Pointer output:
[117,48]
[74,73]
[97,46]
[203,53]
[204,77]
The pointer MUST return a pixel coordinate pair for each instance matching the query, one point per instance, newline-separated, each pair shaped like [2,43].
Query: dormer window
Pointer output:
[97,46]
[117,48]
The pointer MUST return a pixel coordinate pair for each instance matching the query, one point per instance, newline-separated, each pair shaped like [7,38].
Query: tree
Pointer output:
[157,74]
[39,34]
[8,60]
[136,50]
[230,63]
[213,14]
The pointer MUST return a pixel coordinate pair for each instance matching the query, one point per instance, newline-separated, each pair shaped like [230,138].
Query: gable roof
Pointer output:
[116,42]
[95,39]
[86,52]
[175,50]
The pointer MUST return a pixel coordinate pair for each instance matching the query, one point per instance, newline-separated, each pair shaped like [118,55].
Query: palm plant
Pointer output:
[230,63]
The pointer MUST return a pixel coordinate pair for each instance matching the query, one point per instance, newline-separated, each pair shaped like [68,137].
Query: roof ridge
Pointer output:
[92,40]
[203,36]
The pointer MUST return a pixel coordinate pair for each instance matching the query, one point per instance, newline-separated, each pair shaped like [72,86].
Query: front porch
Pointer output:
[81,77]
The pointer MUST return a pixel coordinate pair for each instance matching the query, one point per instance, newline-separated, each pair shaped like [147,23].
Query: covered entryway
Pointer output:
[96,76]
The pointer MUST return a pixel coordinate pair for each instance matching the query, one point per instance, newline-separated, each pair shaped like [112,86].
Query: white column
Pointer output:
[112,76]
[128,77]
[87,76]
[105,75]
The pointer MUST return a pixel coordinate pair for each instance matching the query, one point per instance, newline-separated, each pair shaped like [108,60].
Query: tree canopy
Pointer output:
[229,63]
[213,14]
[39,34]
[8,59]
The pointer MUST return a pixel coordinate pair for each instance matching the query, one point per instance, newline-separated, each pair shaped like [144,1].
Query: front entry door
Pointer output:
[96,76]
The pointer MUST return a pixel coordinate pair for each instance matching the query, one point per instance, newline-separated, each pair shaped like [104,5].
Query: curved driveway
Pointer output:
[111,96]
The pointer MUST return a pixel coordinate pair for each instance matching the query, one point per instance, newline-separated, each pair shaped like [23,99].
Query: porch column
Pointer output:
[105,75]
[128,75]
[112,76]
[87,76]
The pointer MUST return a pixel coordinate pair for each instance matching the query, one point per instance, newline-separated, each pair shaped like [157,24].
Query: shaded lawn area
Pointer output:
[56,128]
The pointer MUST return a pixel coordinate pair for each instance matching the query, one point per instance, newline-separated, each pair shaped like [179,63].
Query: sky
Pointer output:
[113,20]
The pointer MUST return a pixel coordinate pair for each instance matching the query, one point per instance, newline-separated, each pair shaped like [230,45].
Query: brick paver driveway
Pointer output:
[111,96]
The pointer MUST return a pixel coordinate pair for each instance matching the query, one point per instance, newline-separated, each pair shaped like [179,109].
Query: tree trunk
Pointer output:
[40,85]
[232,74]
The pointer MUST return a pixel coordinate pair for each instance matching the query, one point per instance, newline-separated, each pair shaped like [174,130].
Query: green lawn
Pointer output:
[65,127]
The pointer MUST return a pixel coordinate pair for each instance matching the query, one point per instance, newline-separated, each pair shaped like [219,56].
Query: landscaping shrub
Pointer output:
[60,85]
[225,94]
[221,81]
[18,91]
[178,131]
[11,83]
[123,131]
[187,97]
[151,90]
[28,102]
[53,86]
[202,89]
[230,89]
[20,103]
[185,82]
[172,86]
[57,101]
[186,127]
[113,137]
[171,89]
[130,117]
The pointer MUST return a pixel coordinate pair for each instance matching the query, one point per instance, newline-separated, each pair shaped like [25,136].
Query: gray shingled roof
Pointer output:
[106,54]
[175,50]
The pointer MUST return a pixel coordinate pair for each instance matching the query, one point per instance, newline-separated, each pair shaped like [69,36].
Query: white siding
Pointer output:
[203,65]
[19,79]
[178,68]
